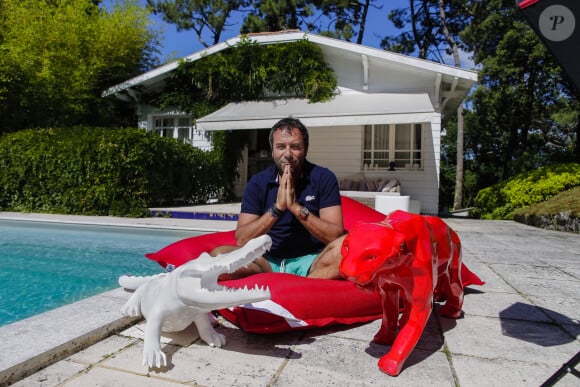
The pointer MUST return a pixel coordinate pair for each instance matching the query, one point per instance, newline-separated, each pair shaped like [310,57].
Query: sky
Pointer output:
[179,44]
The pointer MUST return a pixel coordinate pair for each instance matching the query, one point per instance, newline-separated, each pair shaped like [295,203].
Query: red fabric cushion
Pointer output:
[297,302]
[353,211]
[187,249]
[301,303]
[184,250]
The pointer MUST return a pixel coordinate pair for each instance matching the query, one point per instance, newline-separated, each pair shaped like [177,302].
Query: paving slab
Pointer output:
[517,330]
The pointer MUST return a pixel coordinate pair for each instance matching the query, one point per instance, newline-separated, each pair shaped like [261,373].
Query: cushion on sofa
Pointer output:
[366,184]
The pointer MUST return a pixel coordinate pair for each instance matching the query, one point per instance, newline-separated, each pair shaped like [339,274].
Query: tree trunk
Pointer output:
[458,199]
[363,21]
[577,146]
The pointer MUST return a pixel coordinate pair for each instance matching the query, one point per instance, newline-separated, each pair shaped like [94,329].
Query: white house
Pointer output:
[389,108]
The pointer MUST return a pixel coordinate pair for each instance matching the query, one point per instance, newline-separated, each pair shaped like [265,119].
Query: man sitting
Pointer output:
[298,204]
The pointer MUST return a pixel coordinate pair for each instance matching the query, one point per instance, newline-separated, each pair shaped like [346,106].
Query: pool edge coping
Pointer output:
[149,223]
[39,341]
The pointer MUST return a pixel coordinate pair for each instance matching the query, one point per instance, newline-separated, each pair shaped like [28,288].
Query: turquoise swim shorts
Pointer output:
[299,265]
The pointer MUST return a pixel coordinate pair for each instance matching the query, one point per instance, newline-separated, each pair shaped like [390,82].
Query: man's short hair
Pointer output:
[289,124]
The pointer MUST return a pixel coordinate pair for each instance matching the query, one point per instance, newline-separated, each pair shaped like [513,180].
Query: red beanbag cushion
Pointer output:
[353,211]
[302,303]
[185,250]
[297,302]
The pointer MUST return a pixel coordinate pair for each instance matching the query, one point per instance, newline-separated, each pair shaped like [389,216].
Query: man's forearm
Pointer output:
[249,229]
[322,230]
[325,230]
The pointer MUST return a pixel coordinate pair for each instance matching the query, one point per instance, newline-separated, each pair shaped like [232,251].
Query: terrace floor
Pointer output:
[518,329]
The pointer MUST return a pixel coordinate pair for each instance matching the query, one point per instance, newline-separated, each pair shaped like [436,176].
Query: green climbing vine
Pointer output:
[247,71]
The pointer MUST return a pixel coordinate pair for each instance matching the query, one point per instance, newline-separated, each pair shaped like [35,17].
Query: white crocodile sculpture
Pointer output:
[171,301]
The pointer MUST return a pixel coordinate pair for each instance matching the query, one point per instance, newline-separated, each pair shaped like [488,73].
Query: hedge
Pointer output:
[101,171]
[501,200]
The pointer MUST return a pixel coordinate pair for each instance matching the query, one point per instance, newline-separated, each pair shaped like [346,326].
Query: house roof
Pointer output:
[343,109]
[451,84]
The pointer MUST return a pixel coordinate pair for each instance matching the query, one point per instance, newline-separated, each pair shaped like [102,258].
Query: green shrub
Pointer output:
[501,200]
[101,171]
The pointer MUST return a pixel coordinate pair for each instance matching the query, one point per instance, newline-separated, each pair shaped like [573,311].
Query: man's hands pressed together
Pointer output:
[286,199]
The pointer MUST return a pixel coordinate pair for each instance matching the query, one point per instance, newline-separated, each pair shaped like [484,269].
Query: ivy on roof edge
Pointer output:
[249,71]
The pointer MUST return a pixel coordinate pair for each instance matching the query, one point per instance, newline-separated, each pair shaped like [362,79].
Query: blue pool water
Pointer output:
[47,265]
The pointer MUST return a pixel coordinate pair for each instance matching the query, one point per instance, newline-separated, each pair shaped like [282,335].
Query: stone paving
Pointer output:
[518,330]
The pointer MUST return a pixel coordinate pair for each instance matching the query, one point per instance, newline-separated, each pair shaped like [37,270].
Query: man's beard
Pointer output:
[295,168]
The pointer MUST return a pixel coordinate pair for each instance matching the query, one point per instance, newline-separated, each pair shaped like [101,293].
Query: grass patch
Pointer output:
[557,213]
[565,201]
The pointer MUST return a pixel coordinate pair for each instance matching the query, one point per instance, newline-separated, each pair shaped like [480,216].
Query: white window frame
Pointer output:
[173,126]
[409,157]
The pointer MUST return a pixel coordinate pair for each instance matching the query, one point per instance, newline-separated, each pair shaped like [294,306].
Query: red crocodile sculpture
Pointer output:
[411,260]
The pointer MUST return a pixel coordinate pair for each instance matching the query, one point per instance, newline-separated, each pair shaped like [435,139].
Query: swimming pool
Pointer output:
[46,265]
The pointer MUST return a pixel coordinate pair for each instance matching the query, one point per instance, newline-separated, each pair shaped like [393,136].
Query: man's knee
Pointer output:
[259,265]
[326,265]
[263,264]
[331,254]
[222,250]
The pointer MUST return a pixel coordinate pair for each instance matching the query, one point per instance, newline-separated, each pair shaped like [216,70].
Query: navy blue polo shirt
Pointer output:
[317,188]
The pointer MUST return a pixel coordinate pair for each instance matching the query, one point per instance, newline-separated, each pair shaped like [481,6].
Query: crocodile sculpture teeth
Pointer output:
[172,301]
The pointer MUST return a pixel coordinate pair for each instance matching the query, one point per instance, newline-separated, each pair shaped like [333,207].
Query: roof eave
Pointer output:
[162,72]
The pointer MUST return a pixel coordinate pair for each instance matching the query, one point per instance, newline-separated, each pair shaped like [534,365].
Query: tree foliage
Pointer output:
[448,172]
[209,19]
[523,112]
[270,15]
[56,57]
[521,115]
[343,19]
[424,32]
[205,17]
